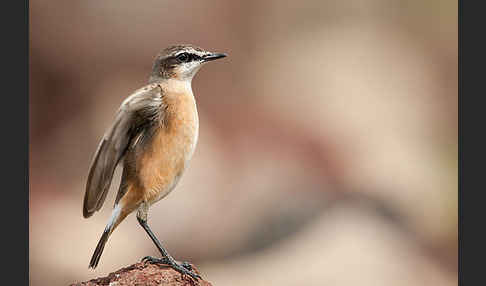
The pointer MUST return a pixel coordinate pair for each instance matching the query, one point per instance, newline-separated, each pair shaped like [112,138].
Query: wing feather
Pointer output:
[135,114]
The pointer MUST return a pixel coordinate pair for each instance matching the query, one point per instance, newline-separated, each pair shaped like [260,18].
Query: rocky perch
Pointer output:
[145,274]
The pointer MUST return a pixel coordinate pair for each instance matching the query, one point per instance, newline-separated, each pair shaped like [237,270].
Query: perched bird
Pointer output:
[154,135]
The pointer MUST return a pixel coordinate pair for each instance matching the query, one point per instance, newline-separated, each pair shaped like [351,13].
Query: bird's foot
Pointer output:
[154,260]
[186,265]
[183,268]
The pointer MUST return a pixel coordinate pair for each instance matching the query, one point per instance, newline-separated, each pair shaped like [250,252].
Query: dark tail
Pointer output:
[99,249]
[116,217]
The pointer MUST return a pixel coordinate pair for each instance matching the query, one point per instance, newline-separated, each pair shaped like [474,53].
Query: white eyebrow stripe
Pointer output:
[180,52]
[191,51]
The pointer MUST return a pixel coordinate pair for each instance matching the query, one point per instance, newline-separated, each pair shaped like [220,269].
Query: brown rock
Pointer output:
[145,274]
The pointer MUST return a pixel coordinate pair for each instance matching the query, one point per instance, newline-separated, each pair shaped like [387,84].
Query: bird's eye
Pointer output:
[184,57]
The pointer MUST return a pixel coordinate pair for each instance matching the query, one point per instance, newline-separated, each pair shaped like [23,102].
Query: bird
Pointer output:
[153,136]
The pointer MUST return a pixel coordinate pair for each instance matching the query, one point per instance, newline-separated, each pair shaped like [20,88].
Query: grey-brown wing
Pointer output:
[136,114]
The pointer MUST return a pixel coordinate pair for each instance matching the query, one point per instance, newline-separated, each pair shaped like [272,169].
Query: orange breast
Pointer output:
[172,146]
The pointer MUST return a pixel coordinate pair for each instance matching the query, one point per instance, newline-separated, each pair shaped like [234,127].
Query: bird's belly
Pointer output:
[165,161]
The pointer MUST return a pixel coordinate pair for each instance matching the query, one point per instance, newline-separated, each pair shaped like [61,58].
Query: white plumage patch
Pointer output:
[114,216]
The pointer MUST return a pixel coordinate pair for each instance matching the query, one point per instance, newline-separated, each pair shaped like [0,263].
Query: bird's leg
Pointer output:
[167,259]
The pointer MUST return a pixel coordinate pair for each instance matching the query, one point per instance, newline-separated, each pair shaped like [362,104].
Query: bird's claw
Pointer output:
[150,259]
[186,265]
[184,268]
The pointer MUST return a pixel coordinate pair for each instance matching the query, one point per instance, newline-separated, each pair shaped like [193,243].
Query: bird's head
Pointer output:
[181,62]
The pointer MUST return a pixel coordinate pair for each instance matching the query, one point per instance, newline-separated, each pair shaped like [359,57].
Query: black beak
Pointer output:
[212,57]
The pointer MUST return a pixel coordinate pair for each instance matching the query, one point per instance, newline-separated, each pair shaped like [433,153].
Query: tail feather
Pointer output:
[116,217]
[99,249]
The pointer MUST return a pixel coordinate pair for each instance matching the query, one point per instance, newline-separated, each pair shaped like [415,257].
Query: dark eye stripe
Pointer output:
[190,57]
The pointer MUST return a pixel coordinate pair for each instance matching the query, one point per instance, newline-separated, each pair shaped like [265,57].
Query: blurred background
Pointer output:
[327,152]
